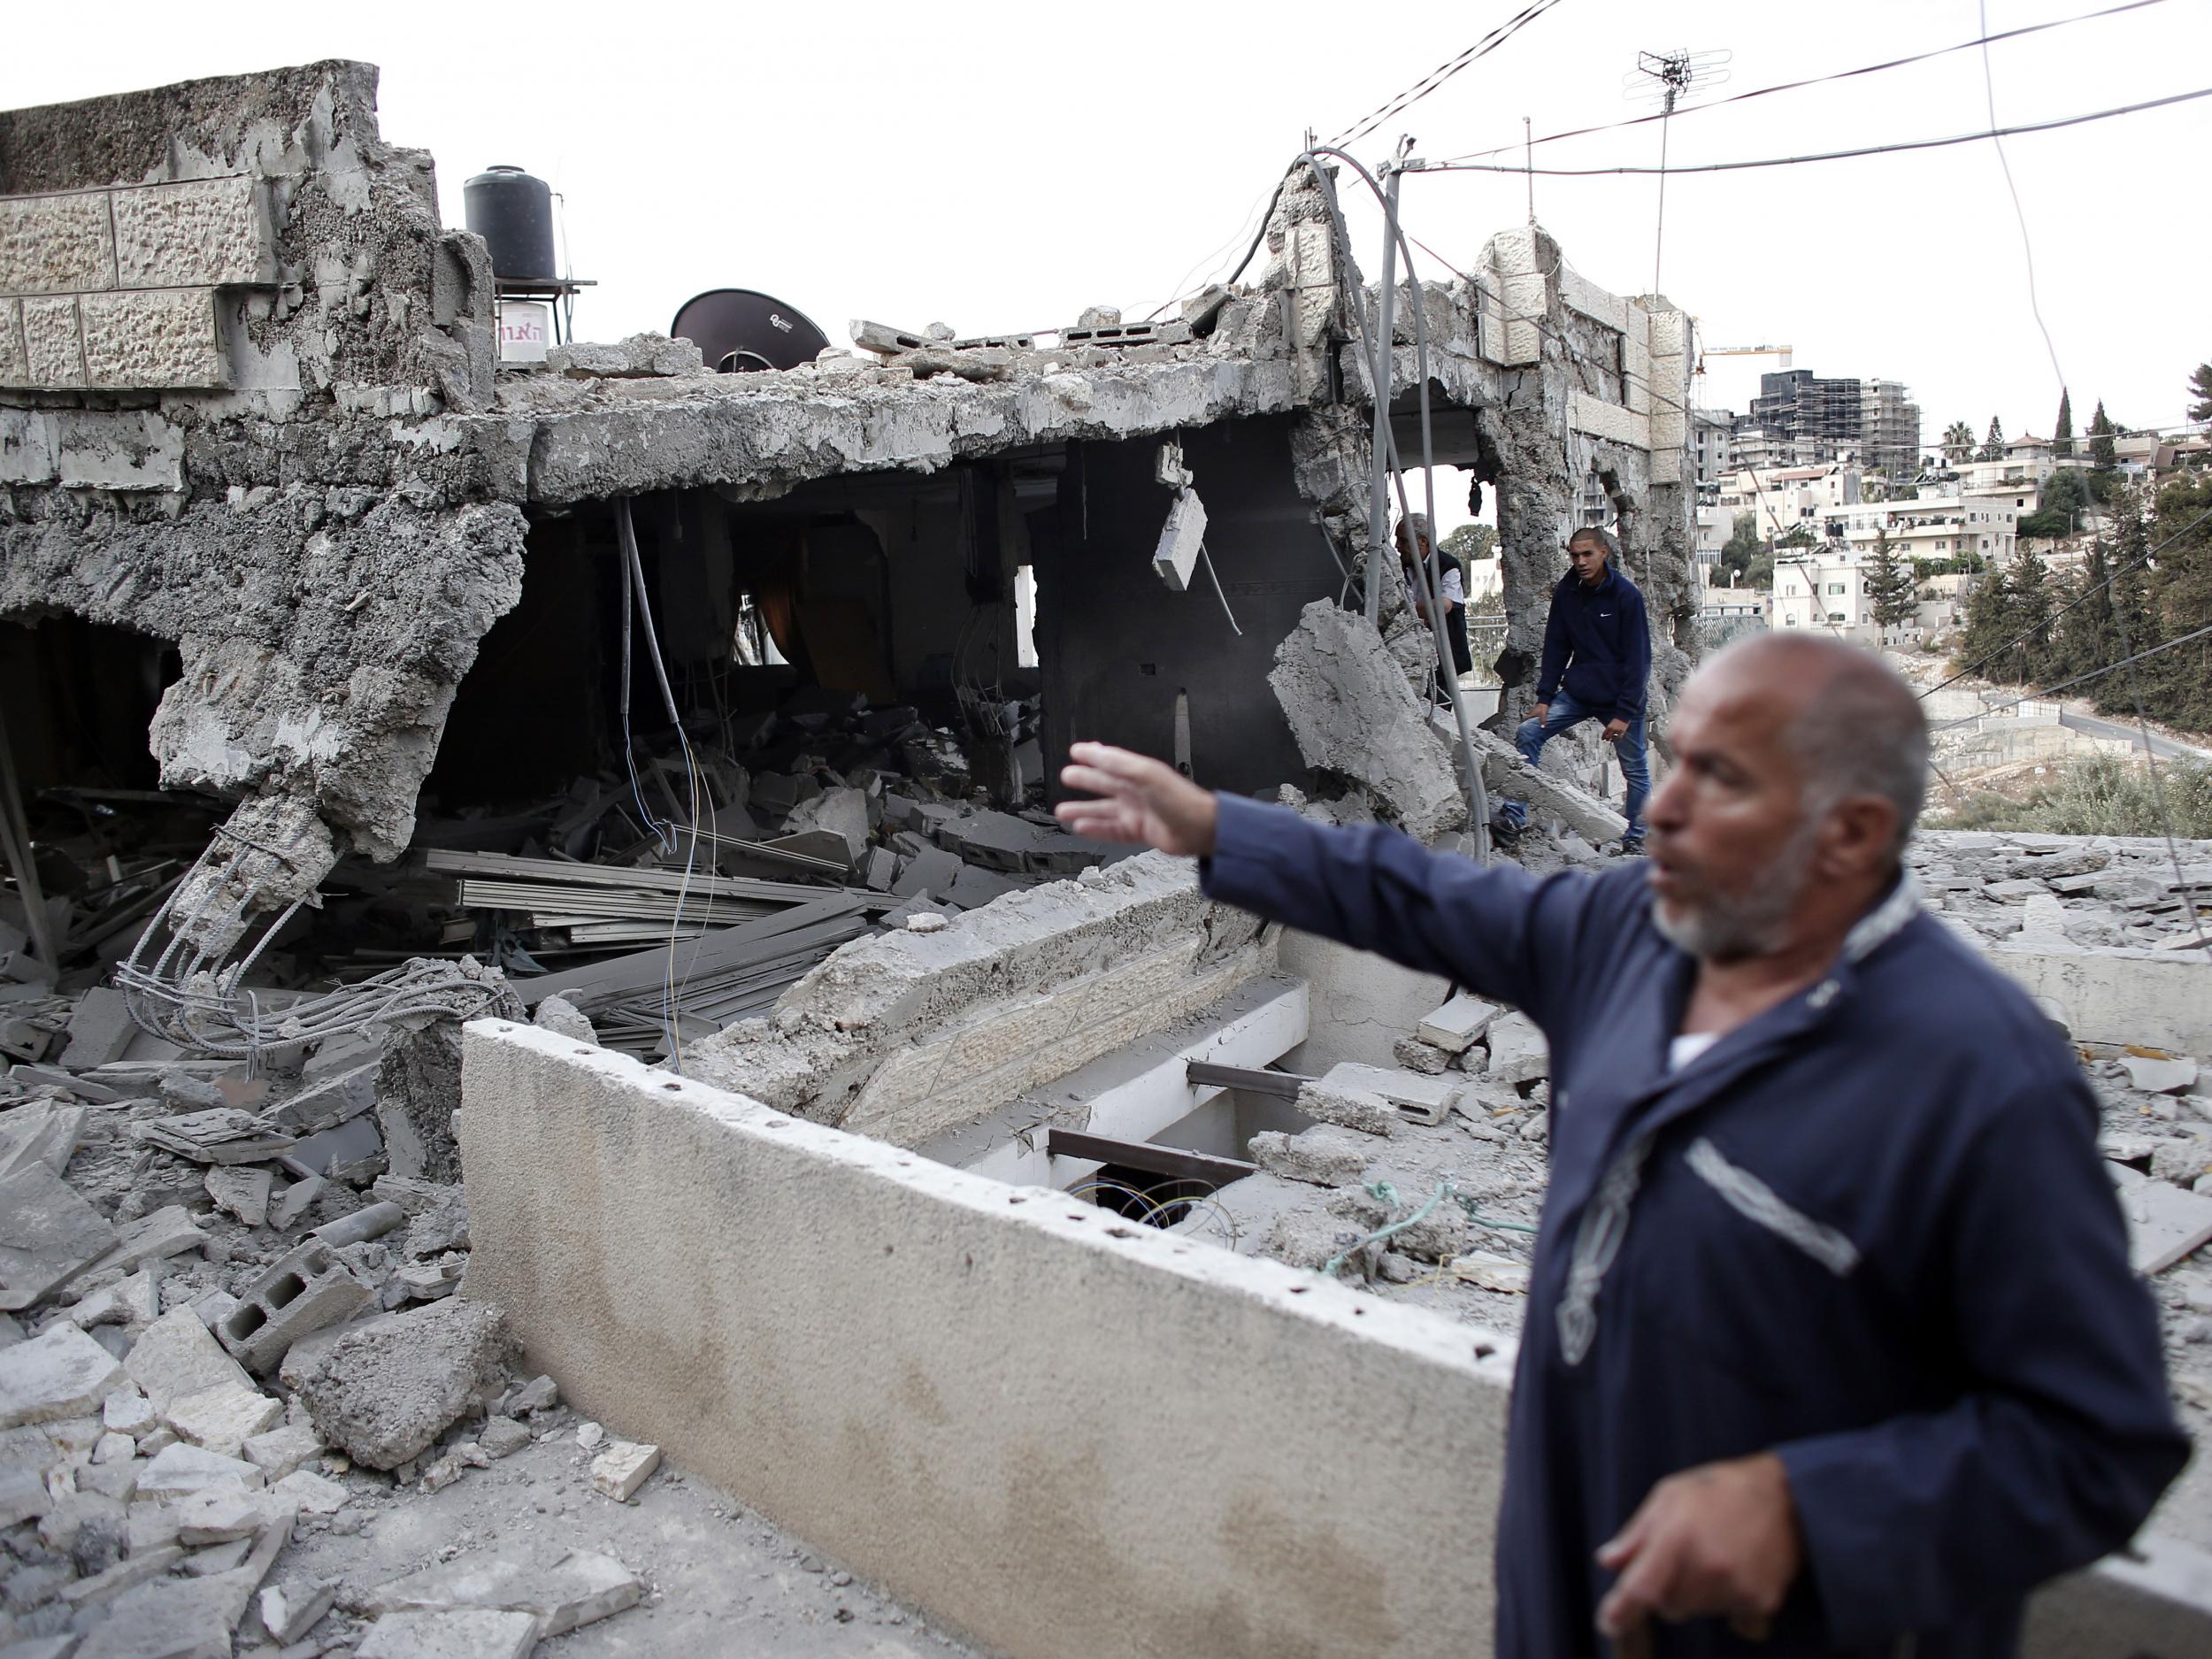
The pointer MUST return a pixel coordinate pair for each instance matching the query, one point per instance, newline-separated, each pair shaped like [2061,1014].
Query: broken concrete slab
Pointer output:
[49,1234]
[2160,1074]
[166,1232]
[60,1373]
[328,1103]
[222,1419]
[1424,1059]
[1000,840]
[47,1133]
[841,812]
[457,1634]
[353,1151]
[2165,1222]
[1455,1026]
[1323,1156]
[221,1135]
[222,1514]
[930,870]
[180,1471]
[1353,712]
[288,1203]
[179,1357]
[288,1611]
[1508,776]
[1518,1051]
[133,1303]
[277,1452]
[620,1469]
[100,1029]
[240,1191]
[382,1391]
[1348,1108]
[561,1590]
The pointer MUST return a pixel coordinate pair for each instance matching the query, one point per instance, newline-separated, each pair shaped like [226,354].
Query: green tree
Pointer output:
[2063,429]
[2028,584]
[1470,542]
[2200,392]
[1799,535]
[2102,454]
[1743,545]
[2176,685]
[2059,507]
[1890,584]
[1994,446]
[1958,443]
[2086,639]
[1989,630]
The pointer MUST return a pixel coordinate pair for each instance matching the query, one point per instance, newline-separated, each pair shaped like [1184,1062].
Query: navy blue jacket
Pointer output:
[1869,1230]
[1599,641]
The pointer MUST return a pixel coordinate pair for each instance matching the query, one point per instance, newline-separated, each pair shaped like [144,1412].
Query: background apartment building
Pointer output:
[1800,419]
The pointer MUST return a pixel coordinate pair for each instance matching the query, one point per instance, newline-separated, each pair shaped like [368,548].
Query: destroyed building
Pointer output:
[647,713]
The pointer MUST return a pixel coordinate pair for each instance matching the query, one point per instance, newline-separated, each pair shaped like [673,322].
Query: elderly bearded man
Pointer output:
[1832,1345]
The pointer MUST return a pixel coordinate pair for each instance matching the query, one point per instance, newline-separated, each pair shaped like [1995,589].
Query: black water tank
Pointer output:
[513,213]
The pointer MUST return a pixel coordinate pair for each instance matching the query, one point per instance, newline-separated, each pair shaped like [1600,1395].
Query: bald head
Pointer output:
[1851,721]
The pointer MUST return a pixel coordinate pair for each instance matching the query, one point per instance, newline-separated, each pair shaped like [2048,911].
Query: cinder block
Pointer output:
[155,338]
[26,446]
[1666,466]
[53,343]
[117,450]
[55,244]
[193,234]
[306,1290]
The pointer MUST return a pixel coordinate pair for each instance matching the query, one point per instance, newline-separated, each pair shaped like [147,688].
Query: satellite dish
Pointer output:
[738,330]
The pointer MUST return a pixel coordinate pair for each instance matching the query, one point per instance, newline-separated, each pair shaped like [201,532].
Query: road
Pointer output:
[2164,747]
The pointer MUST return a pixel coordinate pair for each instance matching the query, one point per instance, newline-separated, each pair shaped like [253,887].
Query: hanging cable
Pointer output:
[1446,70]
[2131,656]
[1985,40]
[1207,559]
[1827,155]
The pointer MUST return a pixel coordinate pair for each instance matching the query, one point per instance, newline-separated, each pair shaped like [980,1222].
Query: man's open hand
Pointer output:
[1140,799]
[1718,1540]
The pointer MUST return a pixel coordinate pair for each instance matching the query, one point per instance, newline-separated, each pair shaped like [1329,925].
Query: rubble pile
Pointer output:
[2095,893]
[209,1353]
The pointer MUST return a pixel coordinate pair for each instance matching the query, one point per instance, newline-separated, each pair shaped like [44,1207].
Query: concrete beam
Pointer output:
[933,1382]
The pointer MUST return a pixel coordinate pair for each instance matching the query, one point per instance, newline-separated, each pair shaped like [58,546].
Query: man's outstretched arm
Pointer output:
[1497,931]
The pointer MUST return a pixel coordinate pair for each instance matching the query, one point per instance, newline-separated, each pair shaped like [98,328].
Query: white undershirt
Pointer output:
[1682,1050]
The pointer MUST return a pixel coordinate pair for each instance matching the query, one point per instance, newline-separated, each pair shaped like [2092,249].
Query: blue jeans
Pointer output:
[1566,711]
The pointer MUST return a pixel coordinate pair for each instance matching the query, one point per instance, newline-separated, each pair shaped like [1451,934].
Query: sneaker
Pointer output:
[1629,846]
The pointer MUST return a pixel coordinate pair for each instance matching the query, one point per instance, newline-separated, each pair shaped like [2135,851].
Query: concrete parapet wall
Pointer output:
[1057,1432]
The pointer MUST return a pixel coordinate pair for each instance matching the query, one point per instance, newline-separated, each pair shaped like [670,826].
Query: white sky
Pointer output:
[998,167]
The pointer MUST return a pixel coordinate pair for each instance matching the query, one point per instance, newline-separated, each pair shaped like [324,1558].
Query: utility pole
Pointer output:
[1668,77]
[1528,168]
[1385,358]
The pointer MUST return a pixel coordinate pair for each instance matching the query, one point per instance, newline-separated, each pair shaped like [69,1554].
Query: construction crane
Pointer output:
[1782,352]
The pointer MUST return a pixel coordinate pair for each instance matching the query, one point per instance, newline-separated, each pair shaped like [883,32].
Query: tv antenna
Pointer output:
[1666,79]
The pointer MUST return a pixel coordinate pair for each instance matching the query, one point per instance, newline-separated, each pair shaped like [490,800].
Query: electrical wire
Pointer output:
[2080,679]
[1380,359]
[1985,41]
[2077,600]
[1827,155]
[626,533]
[1207,559]
[1444,71]
[2129,659]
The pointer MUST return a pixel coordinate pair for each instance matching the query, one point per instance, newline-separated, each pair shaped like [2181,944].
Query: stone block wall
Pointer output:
[118,289]
[232,334]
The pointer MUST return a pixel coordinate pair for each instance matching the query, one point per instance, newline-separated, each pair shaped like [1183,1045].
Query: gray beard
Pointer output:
[1751,922]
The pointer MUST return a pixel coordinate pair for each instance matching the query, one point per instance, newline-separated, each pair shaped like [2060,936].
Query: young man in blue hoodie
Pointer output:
[1597,660]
